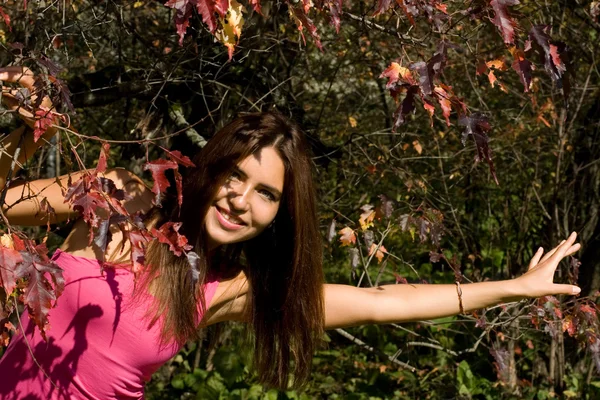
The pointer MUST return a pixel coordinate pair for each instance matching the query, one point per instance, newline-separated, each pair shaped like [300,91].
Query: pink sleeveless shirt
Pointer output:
[99,345]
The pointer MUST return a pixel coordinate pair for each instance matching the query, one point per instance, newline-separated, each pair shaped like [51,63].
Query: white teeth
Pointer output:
[230,218]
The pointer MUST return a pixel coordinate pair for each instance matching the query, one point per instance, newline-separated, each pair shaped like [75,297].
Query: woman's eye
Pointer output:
[234,176]
[267,195]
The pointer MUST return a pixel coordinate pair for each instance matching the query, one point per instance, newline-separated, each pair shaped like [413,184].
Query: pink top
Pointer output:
[99,345]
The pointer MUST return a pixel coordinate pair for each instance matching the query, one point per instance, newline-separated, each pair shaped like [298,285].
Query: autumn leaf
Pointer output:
[6,18]
[378,251]
[522,67]
[40,292]
[179,158]
[157,168]
[138,242]
[397,74]
[347,236]
[477,126]
[335,13]
[169,234]
[569,325]
[44,118]
[9,258]
[503,20]
[366,217]
[231,26]
[302,21]
[101,166]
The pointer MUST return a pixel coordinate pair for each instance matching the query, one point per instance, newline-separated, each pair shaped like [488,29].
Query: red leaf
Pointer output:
[168,234]
[9,258]
[207,9]
[552,54]
[40,292]
[335,10]
[302,21]
[87,205]
[569,325]
[101,167]
[6,18]
[503,20]
[179,158]
[522,66]
[44,118]
[425,76]
[138,242]
[158,168]
[256,5]
[477,127]
[405,108]
[183,12]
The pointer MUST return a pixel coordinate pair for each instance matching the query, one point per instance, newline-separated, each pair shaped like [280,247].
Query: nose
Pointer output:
[238,198]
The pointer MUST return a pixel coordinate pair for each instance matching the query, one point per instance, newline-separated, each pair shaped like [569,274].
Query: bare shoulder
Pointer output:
[229,302]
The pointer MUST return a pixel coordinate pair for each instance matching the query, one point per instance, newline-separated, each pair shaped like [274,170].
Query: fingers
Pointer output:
[536,258]
[17,74]
[565,246]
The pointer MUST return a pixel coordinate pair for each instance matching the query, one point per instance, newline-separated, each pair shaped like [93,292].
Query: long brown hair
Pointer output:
[283,264]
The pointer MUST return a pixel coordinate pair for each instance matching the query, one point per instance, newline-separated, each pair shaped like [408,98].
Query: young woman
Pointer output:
[249,214]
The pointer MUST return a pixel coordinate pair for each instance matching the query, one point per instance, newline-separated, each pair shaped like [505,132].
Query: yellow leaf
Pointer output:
[367,216]
[138,4]
[231,26]
[352,121]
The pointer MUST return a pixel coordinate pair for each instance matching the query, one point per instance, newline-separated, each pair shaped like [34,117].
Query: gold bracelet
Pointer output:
[459,293]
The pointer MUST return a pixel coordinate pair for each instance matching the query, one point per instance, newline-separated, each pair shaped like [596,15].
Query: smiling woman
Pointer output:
[248,200]
[249,215]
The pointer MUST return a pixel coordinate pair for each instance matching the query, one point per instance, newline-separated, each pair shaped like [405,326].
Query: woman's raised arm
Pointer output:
[20,137]
[349,306]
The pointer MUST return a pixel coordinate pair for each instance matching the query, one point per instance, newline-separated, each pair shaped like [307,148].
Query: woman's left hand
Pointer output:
[538,281]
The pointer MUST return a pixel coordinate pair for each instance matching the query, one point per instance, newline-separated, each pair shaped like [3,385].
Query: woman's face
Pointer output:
[248,200]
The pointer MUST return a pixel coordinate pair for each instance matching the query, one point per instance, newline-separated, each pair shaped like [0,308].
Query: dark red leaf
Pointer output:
[6,19]
[179,158]
[477,126]
[168,234]
[158,168]
[503,20]
[553,63]
[40,292]
[405,108]
[335,12]
[138,241]
[44,118]
[303,21]
[101,167]
[425,77]
[523,67]
[9,258]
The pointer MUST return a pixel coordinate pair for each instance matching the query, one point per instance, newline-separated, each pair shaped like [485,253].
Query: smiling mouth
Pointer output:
[229,221]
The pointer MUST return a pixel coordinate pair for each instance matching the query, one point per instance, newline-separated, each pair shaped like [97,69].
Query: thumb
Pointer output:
[566,289]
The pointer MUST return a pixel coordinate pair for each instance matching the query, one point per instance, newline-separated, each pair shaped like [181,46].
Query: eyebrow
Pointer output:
[276,192]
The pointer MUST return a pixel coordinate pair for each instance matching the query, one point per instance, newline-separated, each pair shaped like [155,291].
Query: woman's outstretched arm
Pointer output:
[349,306]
